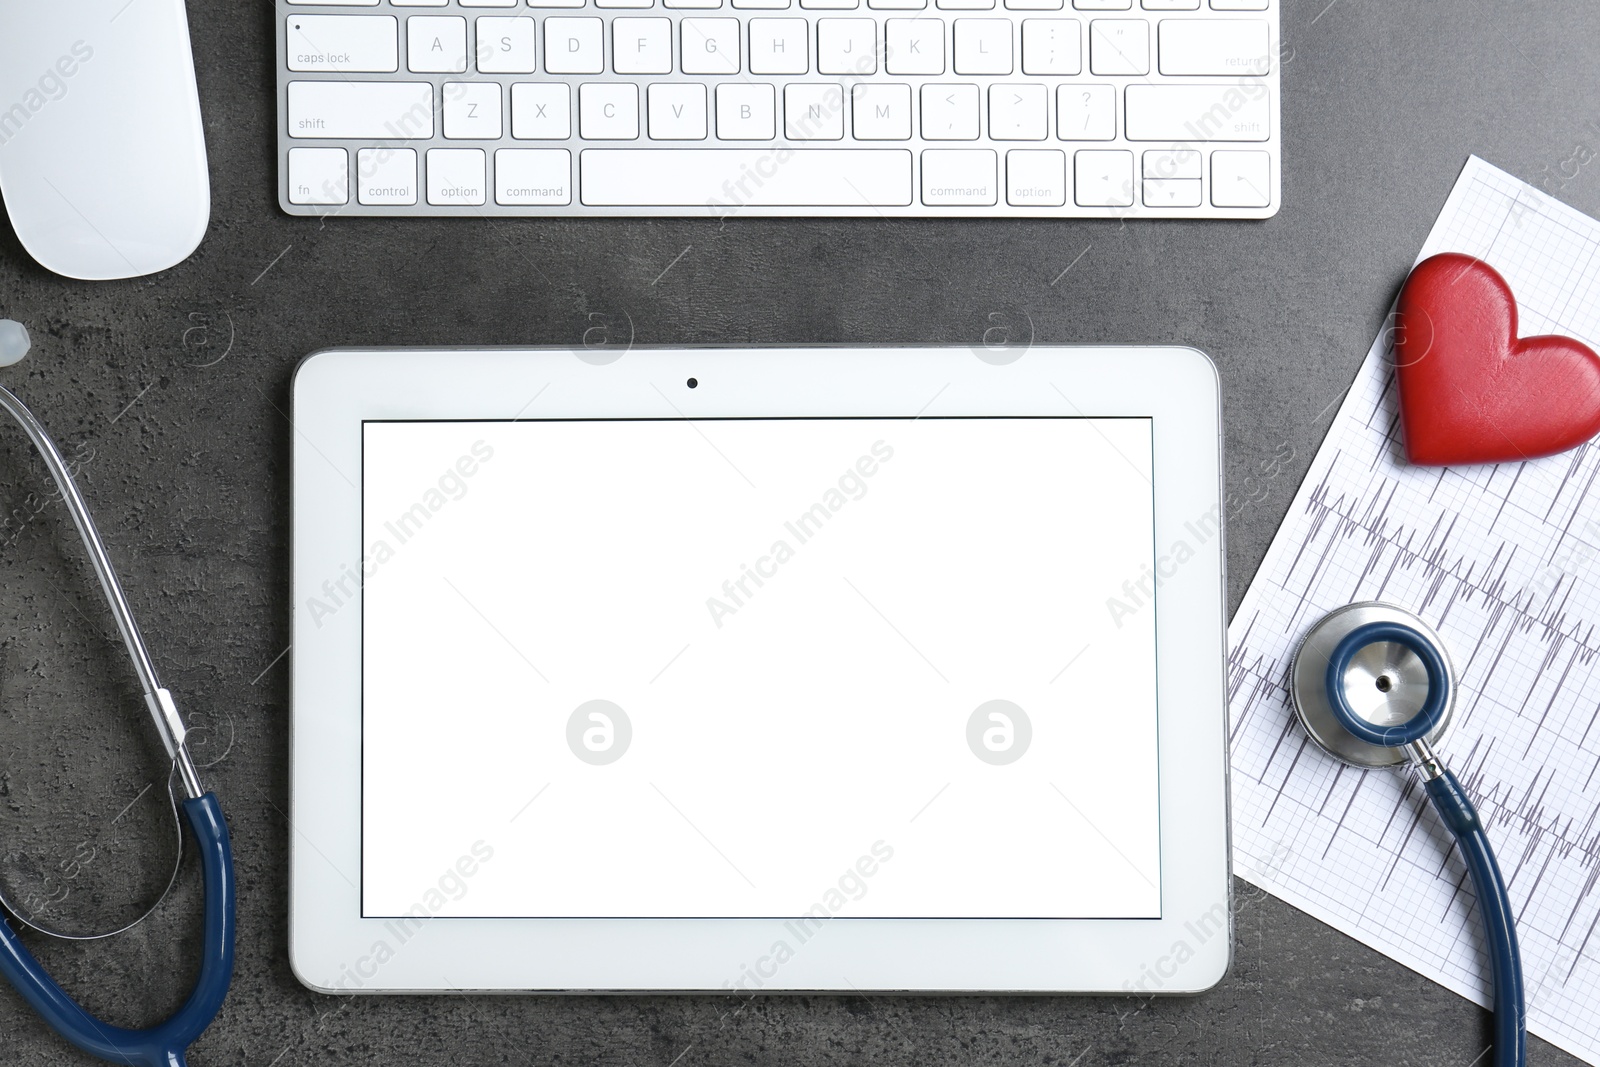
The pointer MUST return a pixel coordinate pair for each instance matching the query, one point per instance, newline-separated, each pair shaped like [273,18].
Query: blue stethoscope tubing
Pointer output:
[165,1044]
[1455,811]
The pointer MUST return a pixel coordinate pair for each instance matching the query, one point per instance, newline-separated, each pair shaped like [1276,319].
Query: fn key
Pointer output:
[319,176]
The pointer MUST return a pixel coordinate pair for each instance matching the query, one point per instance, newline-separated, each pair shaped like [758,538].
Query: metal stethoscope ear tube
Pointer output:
[1373,687]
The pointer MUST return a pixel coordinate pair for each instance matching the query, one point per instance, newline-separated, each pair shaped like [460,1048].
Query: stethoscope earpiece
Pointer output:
[14,342]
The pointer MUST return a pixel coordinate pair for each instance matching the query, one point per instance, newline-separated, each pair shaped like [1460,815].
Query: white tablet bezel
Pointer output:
[333,949]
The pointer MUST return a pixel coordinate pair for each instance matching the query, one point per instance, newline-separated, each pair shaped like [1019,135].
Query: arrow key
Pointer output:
[1172,192]
[1241,178]
[1102,178]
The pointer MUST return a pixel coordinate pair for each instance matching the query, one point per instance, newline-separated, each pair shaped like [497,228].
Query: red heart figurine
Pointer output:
[1470,392]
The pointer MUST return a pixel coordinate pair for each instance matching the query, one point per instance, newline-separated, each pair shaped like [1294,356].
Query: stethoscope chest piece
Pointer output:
[1373,686]
[1385,681]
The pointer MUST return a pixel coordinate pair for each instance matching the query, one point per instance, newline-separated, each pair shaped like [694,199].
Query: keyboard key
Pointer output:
[1019,112]
[847,46]
[489,3]
[736,177]
[1184,164]
[1051,46]
[348,43]
[983,46]
[703,5]
[506,44]
[1214,46]
[574,45]
[762,5]
[1034,5]
[965,5]
[897,5]
[436,44]
[541,111]
[780,46]
[1036,177]
[388,176]
[472,111]
[607,4]
[813,112]
[608,111]
[1119,46]
[343,109]
[533,176]
[746,112]
[1086,112]
[551,3]
[1241,179]
[319,176]
[958,176]
[881,112]
[455,177]
[1171,192]
[710,46]
[1225,112]
[950,112]
[1239,5]
[641,46]
[914,46]
[677,112]
[1102,5]
[1171,5]
[831,5]
[1103,178]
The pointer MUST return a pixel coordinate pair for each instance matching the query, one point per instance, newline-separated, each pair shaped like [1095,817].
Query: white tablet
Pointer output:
[758,670]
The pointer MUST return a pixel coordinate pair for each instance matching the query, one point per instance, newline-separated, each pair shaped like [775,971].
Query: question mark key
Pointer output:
[1085,112]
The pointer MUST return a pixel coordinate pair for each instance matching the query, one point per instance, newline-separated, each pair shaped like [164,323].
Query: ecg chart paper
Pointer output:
[1505,562]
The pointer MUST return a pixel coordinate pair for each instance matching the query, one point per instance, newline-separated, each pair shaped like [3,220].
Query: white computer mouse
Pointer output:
[102,153]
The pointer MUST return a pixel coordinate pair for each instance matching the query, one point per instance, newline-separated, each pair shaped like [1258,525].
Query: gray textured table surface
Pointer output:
[172,393]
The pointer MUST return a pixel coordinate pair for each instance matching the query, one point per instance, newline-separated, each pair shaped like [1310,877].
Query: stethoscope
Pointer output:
[165,1044]
[1373,686]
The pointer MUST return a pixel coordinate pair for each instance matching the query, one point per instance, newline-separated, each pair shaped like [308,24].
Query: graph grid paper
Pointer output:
[1505,562]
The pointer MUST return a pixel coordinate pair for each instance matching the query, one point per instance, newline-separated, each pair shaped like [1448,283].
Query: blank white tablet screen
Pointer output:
[758,667]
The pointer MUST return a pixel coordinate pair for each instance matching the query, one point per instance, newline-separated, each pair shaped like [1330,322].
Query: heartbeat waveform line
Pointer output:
[1488,585]
[1499,806]
[1497,800]
[1382,534]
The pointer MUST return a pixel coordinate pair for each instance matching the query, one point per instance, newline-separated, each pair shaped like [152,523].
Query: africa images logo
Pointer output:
[851,485]
[450,486]
[51,86]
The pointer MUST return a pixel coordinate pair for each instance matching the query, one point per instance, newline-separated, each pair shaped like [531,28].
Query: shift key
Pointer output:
[340,109]
[1226,112]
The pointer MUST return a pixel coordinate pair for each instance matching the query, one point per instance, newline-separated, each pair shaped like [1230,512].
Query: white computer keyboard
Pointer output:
[990,108]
